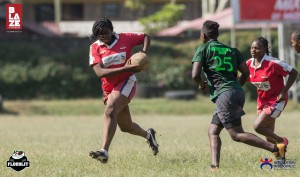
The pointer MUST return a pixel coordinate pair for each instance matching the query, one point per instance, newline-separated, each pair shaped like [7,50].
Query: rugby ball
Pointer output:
[140,59]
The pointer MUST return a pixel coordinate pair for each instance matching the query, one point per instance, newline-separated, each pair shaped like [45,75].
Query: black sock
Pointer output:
[275,149]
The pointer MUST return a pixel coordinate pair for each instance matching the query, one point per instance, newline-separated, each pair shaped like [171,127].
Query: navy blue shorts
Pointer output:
[229,108]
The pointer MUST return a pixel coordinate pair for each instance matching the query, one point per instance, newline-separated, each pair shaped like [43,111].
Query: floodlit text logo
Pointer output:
[18,161]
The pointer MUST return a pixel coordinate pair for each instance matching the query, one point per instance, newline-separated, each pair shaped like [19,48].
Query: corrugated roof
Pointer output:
[224,18]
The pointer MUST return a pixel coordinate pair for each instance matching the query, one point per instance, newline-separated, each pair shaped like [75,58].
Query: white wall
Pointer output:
[84,28]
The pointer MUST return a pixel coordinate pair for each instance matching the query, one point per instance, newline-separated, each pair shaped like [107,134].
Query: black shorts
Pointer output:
[216,121]
[229,108]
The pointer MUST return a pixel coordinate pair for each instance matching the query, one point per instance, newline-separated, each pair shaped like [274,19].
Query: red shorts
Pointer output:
[273,109]
[126,88]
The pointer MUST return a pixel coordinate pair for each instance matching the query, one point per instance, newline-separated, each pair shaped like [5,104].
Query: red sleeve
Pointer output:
[94,55]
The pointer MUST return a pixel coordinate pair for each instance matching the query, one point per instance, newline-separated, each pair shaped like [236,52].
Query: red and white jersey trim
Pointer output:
[111,45]
[285,66]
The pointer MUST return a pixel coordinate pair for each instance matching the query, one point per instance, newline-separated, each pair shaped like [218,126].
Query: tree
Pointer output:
[136,6]
[170,14]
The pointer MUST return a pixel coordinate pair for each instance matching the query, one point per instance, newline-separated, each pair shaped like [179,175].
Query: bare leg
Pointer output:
[264,125]
[237,134]
[271,126]
[126,125]
[115,103]
[215,143]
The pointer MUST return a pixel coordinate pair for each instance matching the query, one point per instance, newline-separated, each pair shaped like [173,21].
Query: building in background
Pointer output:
[76,17]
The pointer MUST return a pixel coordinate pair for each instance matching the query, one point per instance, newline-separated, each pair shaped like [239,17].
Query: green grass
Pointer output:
[57,136]
[59,146]
[160,106]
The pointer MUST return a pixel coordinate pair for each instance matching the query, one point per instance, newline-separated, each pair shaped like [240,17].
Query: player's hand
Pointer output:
[131,67]
[203,86]
[281,96]
[142,51]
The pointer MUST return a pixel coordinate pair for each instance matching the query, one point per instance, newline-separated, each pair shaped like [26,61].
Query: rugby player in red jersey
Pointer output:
[267,74]
[109,58]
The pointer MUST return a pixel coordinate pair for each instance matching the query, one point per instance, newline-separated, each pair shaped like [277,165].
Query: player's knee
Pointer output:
[213,132]
[109,111]
[235,137]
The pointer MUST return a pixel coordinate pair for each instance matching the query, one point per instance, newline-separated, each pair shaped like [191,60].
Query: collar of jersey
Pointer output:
[111,45]
[211,40]
[253,60]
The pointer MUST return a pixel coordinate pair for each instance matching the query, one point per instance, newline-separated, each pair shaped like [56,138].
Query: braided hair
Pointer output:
[99,25]
[264,42]
[296,35]
[211,29]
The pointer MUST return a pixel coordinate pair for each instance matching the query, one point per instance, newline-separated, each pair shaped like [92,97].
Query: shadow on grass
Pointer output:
[8,112]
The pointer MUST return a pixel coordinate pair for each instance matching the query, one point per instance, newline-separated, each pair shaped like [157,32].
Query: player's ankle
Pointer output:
[275,149]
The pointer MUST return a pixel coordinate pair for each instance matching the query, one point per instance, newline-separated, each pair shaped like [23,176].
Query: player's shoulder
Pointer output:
[276,63]
[272,60]
[228,49]
[128,34]
[249,61]
[234,51]
[204,46]
[96,44]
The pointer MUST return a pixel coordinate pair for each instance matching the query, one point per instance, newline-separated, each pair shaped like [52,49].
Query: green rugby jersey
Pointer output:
[220,64]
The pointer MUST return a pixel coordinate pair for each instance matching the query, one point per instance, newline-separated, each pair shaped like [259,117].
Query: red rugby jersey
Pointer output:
[268,77]
[114,56]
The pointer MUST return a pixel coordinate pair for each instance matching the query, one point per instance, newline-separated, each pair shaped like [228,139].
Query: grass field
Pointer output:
[159,106]
[58,144]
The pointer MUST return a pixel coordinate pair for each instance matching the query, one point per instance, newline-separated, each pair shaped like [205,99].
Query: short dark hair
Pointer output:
[99,25]
[211,29]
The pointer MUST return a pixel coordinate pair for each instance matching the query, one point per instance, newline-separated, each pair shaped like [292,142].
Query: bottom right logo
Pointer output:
[266,164]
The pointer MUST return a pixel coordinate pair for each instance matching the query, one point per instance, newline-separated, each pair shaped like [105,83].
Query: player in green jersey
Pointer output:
[220,64]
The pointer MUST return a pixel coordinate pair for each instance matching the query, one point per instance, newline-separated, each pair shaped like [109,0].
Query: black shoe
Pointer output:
[152,141]
[214,168]
[99,155]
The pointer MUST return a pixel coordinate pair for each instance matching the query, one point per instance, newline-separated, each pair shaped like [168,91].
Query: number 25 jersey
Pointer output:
[219,63]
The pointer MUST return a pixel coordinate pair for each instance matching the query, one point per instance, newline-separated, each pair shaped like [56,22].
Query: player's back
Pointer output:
[222,61]
[221,65]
